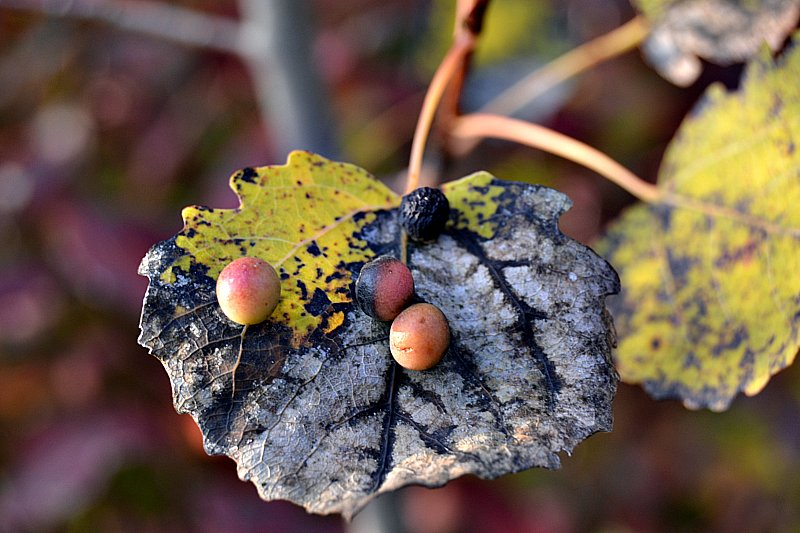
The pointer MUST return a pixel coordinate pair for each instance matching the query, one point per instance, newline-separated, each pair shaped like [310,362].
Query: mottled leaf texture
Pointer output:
[720,31]
[711,293]
[310,404]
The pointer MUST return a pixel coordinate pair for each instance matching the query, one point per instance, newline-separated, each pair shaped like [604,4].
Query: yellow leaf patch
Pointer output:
[303,218]
[475,198]
[711,292]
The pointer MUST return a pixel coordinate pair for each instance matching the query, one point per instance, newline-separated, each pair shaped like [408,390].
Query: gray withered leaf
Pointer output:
[310,404]
[720,31]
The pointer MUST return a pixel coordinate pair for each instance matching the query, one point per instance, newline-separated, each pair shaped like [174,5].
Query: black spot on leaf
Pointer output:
[313,249]
[249,175]
[319,303]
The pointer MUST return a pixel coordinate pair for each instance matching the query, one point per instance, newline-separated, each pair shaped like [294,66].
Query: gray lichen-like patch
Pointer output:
[335,422]
[720,31]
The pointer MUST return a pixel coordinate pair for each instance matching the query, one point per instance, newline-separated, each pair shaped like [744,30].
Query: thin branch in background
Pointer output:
[391,127]
[482,125]
[516,97]
[158,19]
[616,42]
[276,41]
[274,38]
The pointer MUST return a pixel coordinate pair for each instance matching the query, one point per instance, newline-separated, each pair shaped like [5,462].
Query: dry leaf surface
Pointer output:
[310,404]
[720,31]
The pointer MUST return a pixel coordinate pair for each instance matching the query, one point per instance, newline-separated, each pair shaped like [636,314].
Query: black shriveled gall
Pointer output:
[384,288]
[423,213]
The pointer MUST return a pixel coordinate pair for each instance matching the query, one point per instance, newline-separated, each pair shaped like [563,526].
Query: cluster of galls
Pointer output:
[419,334]
[248,289]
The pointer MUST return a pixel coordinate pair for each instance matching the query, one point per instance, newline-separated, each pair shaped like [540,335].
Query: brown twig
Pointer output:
[450,73]
[484,125]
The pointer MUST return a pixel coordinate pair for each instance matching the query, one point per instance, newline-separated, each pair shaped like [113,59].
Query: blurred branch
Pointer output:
[391,126]
[481,125]
[612,44]
[577,60]
[382,515]
[274,38]
[166,21]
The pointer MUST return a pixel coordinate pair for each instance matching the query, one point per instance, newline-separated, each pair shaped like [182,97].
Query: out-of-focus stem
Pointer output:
[577,60]
[608,46]
[273,38]
[159,19]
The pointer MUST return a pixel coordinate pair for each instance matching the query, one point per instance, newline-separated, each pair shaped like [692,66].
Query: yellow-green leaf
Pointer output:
[711,293]
[720,31]
[303,218]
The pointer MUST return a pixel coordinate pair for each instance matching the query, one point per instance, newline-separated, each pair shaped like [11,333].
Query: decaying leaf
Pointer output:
[310,404]
[711,293]
[720,31]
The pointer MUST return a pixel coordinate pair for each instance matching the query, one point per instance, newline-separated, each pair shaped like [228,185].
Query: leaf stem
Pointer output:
[483,125]
[403,246]
[450,73]
[444,73]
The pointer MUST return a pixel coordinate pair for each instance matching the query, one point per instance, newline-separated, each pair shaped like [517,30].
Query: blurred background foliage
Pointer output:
[106,133]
